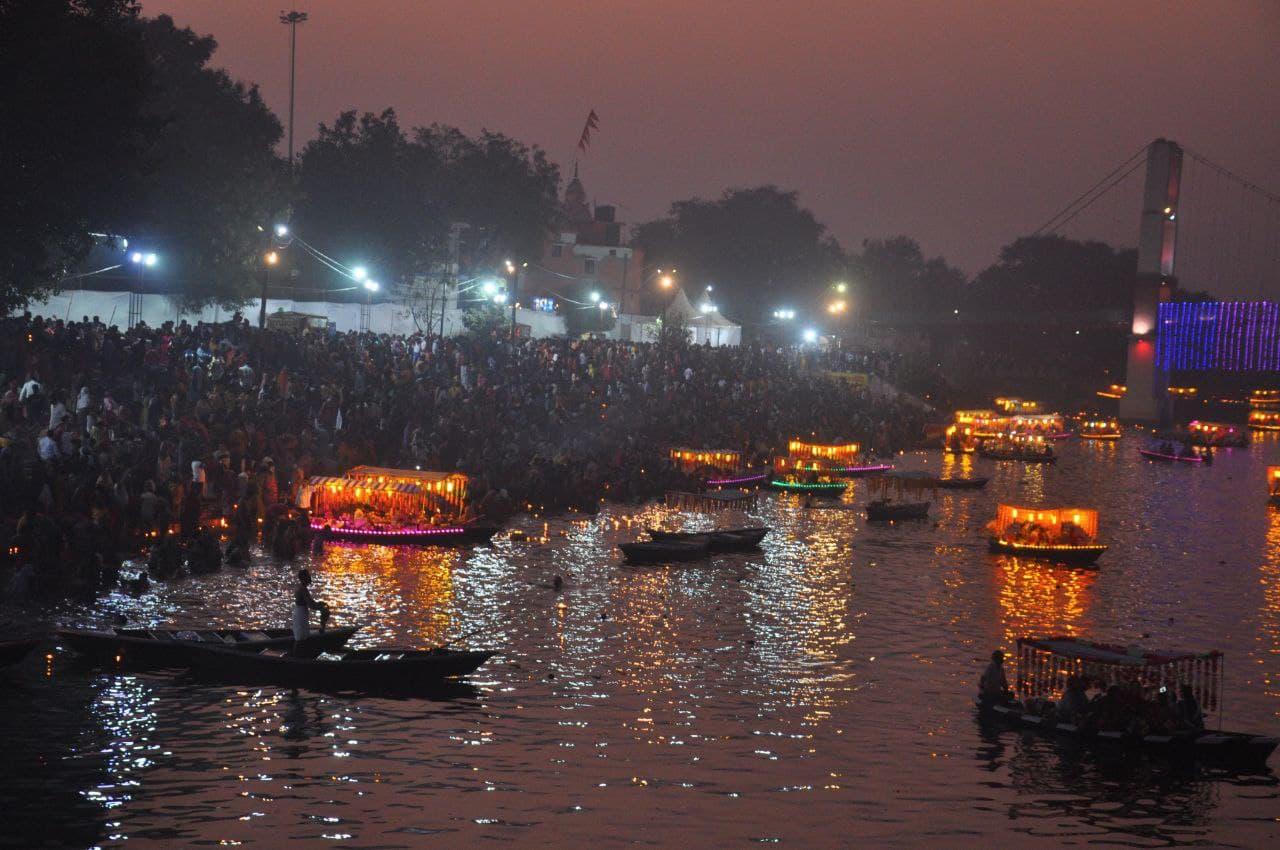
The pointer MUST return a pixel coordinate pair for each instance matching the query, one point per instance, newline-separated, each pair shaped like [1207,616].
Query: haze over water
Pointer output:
[816,694]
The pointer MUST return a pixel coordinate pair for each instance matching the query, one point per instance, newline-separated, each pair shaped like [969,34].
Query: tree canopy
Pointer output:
[1052,277]
[893,282]
[758,247]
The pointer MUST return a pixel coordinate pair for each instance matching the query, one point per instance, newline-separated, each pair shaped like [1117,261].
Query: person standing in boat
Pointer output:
[993,686]
[303,604]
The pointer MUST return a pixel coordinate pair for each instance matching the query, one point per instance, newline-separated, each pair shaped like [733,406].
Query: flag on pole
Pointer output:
[593,122]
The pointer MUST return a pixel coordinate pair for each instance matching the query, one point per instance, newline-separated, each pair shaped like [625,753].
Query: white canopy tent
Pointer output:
[709,327]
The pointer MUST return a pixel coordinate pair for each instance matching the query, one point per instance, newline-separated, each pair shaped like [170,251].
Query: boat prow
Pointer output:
[1077,555]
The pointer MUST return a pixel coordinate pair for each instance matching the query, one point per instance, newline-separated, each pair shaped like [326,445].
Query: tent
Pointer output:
[708,327]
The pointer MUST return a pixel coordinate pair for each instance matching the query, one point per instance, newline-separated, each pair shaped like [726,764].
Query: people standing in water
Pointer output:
[303,604]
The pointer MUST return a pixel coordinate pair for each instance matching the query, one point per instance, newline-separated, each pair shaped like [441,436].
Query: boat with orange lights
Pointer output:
[1273,485]
[1099,428]
[1064,535]
[815,468]
[373,504]
[1264,420]
[1021,447]
[1046,665]
[1215,435]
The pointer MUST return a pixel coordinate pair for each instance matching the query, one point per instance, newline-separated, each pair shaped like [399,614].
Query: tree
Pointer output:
[208,178]
[1052,277]
[757,246]
[75,78]
[894,283]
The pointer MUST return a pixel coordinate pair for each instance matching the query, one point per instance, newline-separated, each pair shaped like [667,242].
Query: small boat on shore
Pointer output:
[13,651]
[172,647]
[886,510]
[383,670]
[727,540]
[962,483]
[665,551]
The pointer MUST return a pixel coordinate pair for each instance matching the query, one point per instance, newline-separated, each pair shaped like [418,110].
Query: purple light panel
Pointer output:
[1230,336]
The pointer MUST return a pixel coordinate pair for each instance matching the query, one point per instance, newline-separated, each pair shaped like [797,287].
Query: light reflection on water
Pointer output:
[808,693]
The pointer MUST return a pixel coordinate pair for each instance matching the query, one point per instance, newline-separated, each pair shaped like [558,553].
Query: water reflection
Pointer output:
[1038,598]
[1269,614]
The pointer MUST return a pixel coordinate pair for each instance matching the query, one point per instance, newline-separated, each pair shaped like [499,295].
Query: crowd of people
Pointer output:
[112,439]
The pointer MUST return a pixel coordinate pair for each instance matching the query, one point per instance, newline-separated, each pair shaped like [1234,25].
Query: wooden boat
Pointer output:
[13,651]
[963,483]
[861,471]
[1100,428]
[884,510]
[832,489]
[461,535]
[1152,454]
[992,453]
[1234,749]
[665,551]
[172,647]
[384,670]
[727,540]
[1273,485]
[1044,666]
[1080,555]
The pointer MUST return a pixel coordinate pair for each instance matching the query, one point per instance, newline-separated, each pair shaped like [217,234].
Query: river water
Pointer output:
[815,694]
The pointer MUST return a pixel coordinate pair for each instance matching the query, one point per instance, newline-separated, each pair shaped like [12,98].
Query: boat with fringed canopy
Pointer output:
[1273,485]
[1045,666]
[1264,420]
[1215,435]
[374,504]
[970,427]
[1027,448]
[1099,428]
[695,460]
[1051,426]
[814,468]
[1066,535]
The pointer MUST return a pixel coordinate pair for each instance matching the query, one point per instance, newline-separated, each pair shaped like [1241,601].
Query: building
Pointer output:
[587,255]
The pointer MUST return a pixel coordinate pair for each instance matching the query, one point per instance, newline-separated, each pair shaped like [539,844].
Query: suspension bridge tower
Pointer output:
[1146,399]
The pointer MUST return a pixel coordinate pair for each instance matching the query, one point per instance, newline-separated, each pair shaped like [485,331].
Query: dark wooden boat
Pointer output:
[665,551]
[460,535]
[962,483]
[1151,454]
[883,510]
[1079,555]
[172,647]
[727,540]
[13,651]
[833,489]
[1233,749]
[384,670]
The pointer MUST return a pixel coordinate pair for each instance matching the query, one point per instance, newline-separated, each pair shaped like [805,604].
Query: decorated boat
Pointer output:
[1264,420]
[373,504]
[172,647]
[1166,454]
[384,670]
[722,540]
[1099,428]
[741,481]
[665,551]
[1021,447]
[1051,426]
[970,427]
[1273,485]
[813,485]
[13,651]
[888,510]
[1013,405]
[1065,535]
[815,468]
[696,460]
[1215,434]
[1046,666]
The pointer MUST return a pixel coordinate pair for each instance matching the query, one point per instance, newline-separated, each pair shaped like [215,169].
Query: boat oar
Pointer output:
[471,633]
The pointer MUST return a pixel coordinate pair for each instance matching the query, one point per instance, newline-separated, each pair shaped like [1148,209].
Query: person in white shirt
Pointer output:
[29,389]
[47,448]
[57,412]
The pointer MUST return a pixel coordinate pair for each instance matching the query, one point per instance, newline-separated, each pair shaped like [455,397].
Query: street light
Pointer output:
[359,273]
[809,335]
[143,260]
[784,315]
[282,230]
[595,297]
[371,285]
[269,260]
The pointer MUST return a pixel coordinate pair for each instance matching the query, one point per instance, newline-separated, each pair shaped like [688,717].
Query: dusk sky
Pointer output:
[963,124]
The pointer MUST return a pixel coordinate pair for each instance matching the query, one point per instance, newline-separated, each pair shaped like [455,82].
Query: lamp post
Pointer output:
[370,287]
[291,20]
[513,272]
[269,259]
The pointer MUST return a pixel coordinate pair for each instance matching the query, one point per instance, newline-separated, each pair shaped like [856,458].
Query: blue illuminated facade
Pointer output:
[1230,336]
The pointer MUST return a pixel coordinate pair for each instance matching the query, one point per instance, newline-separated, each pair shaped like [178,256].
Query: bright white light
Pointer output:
[136,256]
[124,243]
[149,259]
[710,287]
[603,305]
[956,311]
[489,287]
[595,297]
[810,335]
[500,298]
[282,230]
[371,285]
[359,272]
[708,308]
[784,314]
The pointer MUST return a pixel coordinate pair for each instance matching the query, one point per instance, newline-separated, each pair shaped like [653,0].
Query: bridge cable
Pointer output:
[1053,224]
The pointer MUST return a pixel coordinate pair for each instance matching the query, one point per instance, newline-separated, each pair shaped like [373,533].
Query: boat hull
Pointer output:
[728,540]
[369,670]
[168,647]
[962,483]
[470,535]
[1164,458]
[1237,750]
[1077,555]
[664,552]
[833,490]
[894,511]
[744,481]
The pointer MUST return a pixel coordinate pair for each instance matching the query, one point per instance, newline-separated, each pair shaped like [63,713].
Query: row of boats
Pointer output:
[265,656]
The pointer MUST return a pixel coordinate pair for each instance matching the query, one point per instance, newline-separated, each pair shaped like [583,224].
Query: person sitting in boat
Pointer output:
[1075,701]
[1166,448]
[303,604]
[993,686]
[1189,713]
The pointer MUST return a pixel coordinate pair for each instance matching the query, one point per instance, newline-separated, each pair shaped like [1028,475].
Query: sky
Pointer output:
[961,123]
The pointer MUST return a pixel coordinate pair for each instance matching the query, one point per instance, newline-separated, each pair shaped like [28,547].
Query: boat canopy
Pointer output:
[1265,420]
[1273,480]
[690,459]
[1086,519]
[1213,429]
[840,451]
[1017,405]
[408,491]
[1264,398]
[1045,664]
